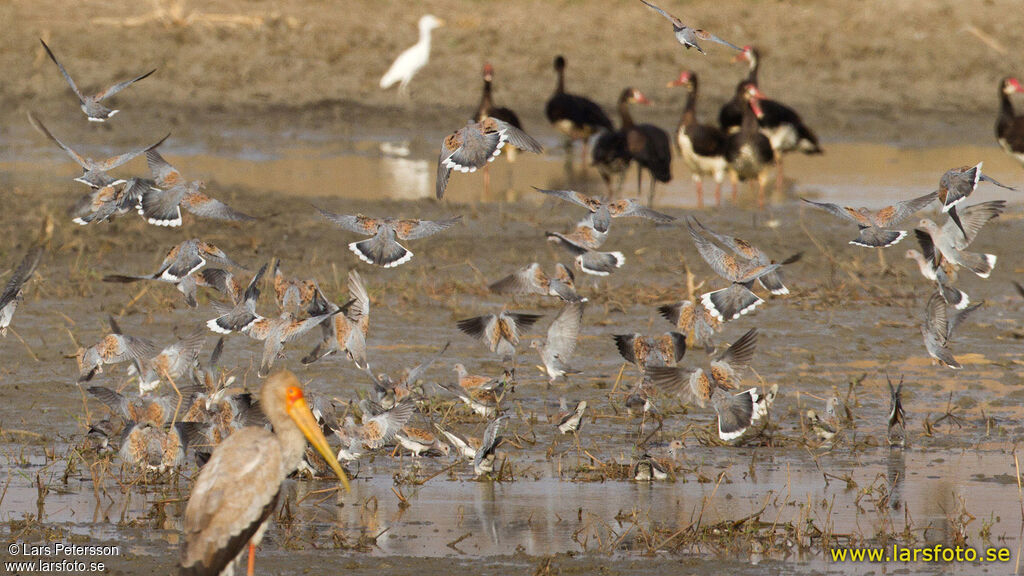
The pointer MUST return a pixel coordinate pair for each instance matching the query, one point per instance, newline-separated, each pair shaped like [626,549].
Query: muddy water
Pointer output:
[849,318]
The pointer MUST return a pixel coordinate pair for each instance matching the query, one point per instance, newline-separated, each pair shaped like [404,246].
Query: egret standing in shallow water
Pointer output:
[239,487]
[413,59]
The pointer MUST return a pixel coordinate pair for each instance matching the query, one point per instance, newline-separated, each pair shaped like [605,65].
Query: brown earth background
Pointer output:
[895,71]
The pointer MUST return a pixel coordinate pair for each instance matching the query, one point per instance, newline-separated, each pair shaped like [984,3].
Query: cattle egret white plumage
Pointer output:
[412,60]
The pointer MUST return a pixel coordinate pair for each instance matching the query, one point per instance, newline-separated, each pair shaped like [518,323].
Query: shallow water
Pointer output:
[846,317]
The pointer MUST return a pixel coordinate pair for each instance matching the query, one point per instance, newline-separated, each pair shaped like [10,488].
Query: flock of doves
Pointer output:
[157,429]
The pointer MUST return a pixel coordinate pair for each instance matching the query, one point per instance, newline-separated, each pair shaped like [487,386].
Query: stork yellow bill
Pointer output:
[238,489]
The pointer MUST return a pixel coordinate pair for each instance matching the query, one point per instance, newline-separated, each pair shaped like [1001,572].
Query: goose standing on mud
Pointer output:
[749,152]
[413,59]
[781,124]
[577,117]
[647,144]
[701,146]
[1010,127]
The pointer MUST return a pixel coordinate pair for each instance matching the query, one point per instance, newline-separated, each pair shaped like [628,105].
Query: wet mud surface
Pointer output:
[275,144]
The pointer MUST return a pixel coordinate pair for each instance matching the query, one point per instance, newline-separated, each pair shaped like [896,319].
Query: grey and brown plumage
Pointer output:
[483,400]
[603,211]
[275,332]
[736,412]
[92,104]
[470,382]
[687,36]
[771,281]
[562,337]
[177,361]
[949,243]
[697,323]
[465,446]
[531,279]
[155,410]
[388,392]
[113,348]
[940,322]
[499,332]
[419,440]
[158,447]
[477,143]
[296,294]
[237,490]
[645,352]
[183,261]
[646,468]
[383,248]
[13,292]
[94,172]
[571,421]
[956,185]
[161,205]
[583,242]
[876,226]
[738,299]
[102,204]
[483,459]
[240,316]
[346,332]
[379,427]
